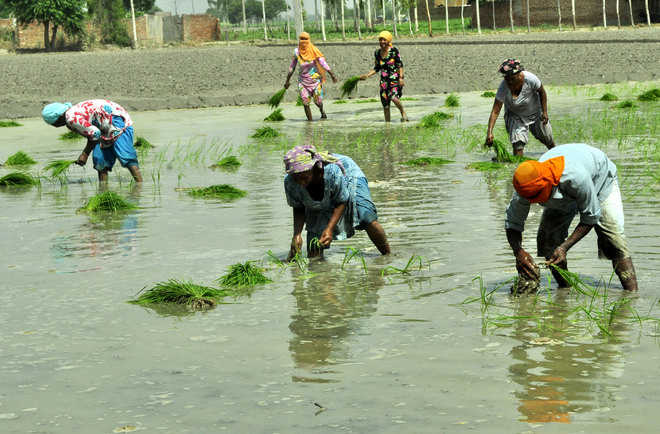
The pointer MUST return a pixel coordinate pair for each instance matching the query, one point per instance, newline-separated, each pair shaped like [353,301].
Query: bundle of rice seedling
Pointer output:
[229,163]
[223,192]
[349,86]
[299,101]
[7,124]
[427,161]
[276,99]
[18,178]
[363,101]
[107,201]
[650,95]
[502,155]
[409,98]
[190,294]
[243,275]
[625,104]
[452,101]
[275,116]
[433,120]
[488,94]
[340,101]
[485,166]
[70,135]
[19,159]
[265,133]
[58,167]
[142,143]
[609,97]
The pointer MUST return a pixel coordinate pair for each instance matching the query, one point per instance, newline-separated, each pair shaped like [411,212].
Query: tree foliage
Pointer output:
[110,14]
[53,14]
[145,6]
[234,11]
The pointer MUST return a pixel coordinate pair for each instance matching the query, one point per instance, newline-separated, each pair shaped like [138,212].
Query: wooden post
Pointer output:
[134,29]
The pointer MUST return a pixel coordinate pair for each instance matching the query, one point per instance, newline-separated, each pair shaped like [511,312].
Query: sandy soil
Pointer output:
[218,75]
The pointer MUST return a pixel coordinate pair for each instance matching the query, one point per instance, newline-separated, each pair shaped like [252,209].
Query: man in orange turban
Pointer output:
[567,180]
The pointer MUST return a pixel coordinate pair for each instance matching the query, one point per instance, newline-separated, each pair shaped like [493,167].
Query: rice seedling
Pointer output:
[142,143]
[427,161]
[433,120]
[20,158]
[405,270]
[230,162]
[189,294]
[349,86]
[340,101]
[609,97]
[243,275]
[452,100]
[277,98]
[363,101]
[650,95]
[70,135]
[58,167]
[224,192]
[488,94]
[18,178]
[409,98]
[299,101]
[486,166]
[502,155]
[265,133]
[275,116]
[108,201]
[625,104]
[352,252]
[9,124]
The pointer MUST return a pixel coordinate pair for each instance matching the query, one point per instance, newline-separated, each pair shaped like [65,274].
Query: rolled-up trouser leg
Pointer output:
[542,132]
[553,231]
[517,130]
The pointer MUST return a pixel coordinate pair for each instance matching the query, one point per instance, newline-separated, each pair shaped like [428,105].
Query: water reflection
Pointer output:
[330,308]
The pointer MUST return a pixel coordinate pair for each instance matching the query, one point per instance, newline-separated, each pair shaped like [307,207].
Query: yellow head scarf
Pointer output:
[306,50]
[387,36]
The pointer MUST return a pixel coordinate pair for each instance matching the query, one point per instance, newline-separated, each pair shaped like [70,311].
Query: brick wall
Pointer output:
[438,11]
[199,28]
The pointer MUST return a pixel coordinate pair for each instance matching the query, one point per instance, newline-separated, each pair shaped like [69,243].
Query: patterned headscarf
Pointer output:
[510,67]
[305,157]
[387,36]
[534,180]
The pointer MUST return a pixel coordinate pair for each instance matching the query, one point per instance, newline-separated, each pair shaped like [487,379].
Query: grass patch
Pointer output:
[227,163]
[363,101]
[142,143]
[452,101]
[625,104]
[243,275]
[650,95]
[20,158]
[408,98]
[18,178]
[58,167]
[70,135]
[486,166]
[191,295]
[433,120]
[265,133]
[427,161]
[275,116]
[224,192]
[488,94]
[9,124]
[349,86]
[107,201]
[340,101]
[277,98]
[609,97]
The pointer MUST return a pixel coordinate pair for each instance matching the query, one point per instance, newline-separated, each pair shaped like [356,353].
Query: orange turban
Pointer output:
[534,180]
[307,51]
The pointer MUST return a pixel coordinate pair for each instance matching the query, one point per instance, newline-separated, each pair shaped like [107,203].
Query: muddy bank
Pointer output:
[219,75]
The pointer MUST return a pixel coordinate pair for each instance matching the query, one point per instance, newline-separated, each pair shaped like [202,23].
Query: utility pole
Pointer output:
[134,30]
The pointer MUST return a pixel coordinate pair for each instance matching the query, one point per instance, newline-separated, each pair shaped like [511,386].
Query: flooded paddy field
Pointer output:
[332,345]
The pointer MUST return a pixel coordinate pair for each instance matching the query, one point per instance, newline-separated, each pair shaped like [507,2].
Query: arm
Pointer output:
[367,75]
[401,82]
[292,68]
[544,104]
[326,236]
[524,261]
[298,224]
[494,113]
[82,159]
[325,66]
[559,255]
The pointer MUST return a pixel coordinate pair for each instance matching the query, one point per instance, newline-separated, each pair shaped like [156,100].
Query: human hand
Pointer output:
[296,245]
[82,159]
[363,77]
[489,139]
[558,257]
[334,78]
[544,118]
[326,238]
[526,266]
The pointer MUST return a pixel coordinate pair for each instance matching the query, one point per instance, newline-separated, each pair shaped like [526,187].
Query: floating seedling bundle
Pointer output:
[452,101]
[142,143]
[650,95]
[243,275]
[58,167]
[625,104]
[427,161]
[18,178]
[108,201]
[277,98]
[189,294]
[8,124]
[70,135]
[275,116]
[224,192]
[20,158]
[609,97]
[349,86]
[433,120]
[227,163]
[340,101]
[488,94]
[265,133]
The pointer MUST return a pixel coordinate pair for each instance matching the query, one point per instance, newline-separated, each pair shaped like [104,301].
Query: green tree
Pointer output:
[144,6]
[110,14]
[253,9]
[5,10]
[53,14]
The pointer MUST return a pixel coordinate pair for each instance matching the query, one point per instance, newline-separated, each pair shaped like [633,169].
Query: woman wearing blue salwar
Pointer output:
[330,195]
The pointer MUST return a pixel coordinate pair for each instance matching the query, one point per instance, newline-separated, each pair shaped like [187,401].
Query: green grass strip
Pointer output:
[9,124]
[265,133]
[349,86]
[108,201]
[20,158]
[196,297]
[340,101]
[486,166]
[18,178]
[224,192]
[243,275]
[71,135]
[427,161]
[277,98]
[275,116]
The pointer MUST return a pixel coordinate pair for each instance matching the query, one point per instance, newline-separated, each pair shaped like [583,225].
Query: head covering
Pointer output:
[510,67]
[387,36]
[52,112]
[534,180]
[305,157]
[306,50]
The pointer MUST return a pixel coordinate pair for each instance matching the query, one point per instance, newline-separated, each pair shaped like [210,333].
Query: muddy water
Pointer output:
[330,349]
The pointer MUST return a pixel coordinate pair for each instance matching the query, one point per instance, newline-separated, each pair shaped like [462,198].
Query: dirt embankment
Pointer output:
[218,75]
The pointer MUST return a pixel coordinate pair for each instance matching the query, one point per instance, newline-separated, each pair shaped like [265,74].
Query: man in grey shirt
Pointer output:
[526,107]
[567,180]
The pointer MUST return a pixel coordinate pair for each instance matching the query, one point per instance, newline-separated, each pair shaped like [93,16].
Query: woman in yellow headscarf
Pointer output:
[311,77]
[388,62]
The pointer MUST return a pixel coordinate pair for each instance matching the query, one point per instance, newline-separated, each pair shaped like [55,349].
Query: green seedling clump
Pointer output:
[142,143]
[196,297]
[275,116]
[349,86]
[502,155]
[340,101]
[7,124]
[223,192]
[427,161]
[409,98]
[299,101]
[452,101]
[18,178]
[70,135]
[277,98]
[433,120]
[265,133]
[19,159]
[58,167]
[609,97]
[650,95]
[107,201]
[488,94]
[229,163]
[362,101]
[625,104]
[486,166]
[243,275]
